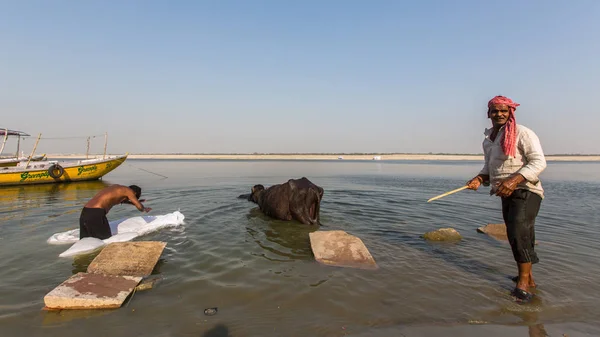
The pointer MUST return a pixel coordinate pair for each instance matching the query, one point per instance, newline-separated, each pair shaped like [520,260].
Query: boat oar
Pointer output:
[448,193]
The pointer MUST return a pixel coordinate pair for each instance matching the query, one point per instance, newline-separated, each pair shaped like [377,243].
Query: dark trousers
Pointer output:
[93,223]
[519,212]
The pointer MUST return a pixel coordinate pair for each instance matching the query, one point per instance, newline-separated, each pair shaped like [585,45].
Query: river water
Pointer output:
[261,273]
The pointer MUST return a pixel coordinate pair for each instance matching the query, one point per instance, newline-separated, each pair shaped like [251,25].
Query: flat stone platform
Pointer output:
[132,258]
[338,248]
[91,291]
[111,277]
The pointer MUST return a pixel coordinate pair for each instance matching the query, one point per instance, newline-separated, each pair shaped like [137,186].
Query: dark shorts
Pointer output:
[93,223]
[519,212]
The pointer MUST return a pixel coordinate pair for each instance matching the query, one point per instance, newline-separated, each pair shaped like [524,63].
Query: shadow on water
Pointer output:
[58,317]
[81,262]
[530,319]
[472,266]
[161,262]
[527,314]
[219,330]
[287,240]
[446,251]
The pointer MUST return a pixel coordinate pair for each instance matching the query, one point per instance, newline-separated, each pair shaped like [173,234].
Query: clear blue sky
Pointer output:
[303,76]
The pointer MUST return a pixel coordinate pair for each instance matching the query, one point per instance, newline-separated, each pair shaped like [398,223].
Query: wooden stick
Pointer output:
[448,193]
[33,151]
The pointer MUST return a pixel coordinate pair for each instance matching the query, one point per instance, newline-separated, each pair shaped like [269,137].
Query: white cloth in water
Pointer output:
[125,229]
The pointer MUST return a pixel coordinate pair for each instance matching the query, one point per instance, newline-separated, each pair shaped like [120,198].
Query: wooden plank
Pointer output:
[133,258]
[91,291]
[338,248]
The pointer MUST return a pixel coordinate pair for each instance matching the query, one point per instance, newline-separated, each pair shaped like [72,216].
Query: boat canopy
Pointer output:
[4,131]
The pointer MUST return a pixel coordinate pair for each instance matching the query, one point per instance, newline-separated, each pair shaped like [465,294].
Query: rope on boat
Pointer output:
[55,138]
[160,175]
[74,137]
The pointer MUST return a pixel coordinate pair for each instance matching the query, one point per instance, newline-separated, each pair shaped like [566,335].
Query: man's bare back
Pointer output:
[114,195]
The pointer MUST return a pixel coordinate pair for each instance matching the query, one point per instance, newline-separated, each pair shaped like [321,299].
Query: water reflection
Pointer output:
[71,191]
[29,198]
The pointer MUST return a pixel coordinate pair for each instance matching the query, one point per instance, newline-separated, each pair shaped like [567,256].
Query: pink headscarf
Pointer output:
[510,128]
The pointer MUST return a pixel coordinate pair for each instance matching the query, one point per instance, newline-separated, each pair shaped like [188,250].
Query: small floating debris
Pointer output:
[211,311]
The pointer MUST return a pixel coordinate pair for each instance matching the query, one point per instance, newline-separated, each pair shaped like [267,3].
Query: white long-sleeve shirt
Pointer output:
[529,159]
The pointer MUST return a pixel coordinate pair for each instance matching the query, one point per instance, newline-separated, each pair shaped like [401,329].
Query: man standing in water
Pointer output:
[513,161]
[93,222]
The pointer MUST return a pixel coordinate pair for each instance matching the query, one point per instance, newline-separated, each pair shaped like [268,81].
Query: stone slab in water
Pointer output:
[497,231]
[91,291]
[133,258]
[338,248]
[443,234]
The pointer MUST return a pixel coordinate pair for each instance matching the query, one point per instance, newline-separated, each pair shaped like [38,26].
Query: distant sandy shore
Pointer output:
[340,157]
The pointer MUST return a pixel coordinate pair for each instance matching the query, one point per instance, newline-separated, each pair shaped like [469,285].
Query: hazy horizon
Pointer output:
[311,77]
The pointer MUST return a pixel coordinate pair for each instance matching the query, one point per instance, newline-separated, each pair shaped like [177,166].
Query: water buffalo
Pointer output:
[298,199]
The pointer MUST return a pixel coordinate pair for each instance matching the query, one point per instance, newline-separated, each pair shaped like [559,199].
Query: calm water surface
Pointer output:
[261,273]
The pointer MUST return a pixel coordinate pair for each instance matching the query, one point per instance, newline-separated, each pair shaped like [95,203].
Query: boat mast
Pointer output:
[105,142]
[4,141]
[18,145]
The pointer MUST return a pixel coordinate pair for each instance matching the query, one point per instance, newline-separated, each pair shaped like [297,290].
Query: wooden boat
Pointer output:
[45,172]
[6,161]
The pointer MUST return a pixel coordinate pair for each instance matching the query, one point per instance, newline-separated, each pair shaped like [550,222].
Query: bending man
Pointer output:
[93,221]
[513,161]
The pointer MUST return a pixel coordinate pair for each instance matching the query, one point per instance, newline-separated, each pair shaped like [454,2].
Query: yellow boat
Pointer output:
[59,172]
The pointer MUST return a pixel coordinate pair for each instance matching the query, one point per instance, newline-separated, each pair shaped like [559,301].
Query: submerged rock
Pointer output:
[443,234]
[148,283]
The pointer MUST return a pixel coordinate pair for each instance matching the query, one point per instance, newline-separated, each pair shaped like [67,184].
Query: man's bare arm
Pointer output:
[132,198]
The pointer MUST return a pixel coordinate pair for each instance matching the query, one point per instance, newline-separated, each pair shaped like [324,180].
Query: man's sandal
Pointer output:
[522,295]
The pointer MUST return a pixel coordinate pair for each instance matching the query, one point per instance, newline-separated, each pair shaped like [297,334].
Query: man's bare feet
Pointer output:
[531,281]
